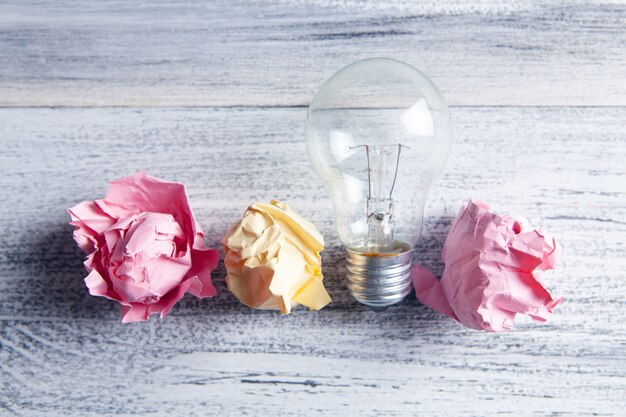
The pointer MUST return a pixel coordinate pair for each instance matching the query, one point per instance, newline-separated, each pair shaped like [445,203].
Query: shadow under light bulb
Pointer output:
[378,134]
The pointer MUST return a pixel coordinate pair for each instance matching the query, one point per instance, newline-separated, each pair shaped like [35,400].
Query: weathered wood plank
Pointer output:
[241,364]
[63,351]
[196,53]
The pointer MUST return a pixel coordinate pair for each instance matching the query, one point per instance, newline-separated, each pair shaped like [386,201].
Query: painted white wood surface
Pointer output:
[225,52]
[63,352]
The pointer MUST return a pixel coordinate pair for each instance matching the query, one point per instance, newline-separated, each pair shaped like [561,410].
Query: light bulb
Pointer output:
[378,134]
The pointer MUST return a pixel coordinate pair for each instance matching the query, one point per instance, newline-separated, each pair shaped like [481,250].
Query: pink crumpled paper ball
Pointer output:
[490,271]
[145,248]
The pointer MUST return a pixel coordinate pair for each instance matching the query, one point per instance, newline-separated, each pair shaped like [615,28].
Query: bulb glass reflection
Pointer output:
[378,134]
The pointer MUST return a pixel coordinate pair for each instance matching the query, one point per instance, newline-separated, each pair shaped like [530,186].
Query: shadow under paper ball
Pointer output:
[428,248]
[49,278]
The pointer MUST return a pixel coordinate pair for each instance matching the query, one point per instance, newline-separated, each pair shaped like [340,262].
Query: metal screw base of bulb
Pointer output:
[379,280]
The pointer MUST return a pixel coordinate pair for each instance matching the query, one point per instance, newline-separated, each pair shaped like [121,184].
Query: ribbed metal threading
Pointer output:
[379,280]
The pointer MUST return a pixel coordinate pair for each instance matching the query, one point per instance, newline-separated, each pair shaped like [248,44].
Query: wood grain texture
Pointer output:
[65,352]
[269,53]
[214,94]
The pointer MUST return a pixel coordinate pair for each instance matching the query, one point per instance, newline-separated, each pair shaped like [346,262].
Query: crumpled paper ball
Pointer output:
[273,259]
[490,271]
[145,248]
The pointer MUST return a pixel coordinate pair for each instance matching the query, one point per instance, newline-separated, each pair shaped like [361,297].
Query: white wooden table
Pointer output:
[214,95]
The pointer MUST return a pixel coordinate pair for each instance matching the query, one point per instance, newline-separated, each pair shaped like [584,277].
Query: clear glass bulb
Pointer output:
[378,133]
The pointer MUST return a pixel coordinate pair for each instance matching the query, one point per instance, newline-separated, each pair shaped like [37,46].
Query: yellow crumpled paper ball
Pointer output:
[273,259]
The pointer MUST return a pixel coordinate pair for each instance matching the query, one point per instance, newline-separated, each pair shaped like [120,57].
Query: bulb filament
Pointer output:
[379,207]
